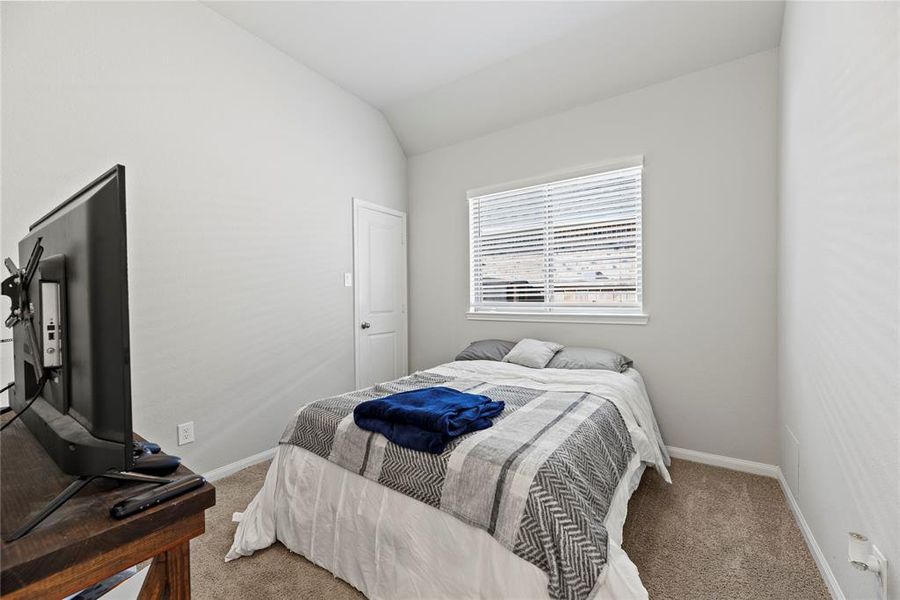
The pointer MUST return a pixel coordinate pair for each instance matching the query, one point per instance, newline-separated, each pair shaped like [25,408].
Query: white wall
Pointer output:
[240,169]
[838,301]
[709,142]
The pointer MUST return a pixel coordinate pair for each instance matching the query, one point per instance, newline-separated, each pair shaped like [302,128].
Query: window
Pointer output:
[568,249]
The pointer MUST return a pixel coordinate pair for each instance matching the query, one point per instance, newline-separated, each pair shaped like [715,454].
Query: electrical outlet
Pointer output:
[881,561]
[185,433]
[791,465]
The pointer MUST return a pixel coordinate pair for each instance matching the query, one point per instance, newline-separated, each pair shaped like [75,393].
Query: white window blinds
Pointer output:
[571,246]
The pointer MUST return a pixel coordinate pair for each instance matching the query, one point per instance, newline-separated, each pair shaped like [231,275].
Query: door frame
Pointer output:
[357,205]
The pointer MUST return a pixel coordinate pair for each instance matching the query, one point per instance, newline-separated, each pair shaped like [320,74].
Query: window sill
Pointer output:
[608,318]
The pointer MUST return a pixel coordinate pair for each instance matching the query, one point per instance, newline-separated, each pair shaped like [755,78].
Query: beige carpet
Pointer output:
[713,533]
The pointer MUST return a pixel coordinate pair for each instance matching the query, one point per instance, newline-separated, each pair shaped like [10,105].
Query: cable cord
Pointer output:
[7,386]
[30,401]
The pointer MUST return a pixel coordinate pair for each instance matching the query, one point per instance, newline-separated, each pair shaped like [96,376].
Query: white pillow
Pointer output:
[532,353]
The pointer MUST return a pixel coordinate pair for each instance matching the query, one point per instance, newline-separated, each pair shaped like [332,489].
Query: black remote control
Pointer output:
[158,495]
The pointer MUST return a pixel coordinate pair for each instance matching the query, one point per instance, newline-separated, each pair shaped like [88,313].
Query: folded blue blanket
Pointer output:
[428,418]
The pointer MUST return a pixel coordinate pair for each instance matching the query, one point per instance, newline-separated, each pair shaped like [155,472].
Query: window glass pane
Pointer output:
[565,246]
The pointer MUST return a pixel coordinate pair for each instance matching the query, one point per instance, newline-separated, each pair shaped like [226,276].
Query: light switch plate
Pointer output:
[348,279]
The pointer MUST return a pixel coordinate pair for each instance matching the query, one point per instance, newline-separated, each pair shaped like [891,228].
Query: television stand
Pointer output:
[82,544]
[75,487]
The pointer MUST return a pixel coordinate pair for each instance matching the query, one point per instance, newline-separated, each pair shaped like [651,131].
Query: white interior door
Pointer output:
[379,262]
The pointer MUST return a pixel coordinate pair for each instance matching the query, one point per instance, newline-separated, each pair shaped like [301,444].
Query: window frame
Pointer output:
[601,314]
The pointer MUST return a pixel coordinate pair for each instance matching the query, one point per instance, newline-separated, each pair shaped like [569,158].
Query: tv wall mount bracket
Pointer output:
[21,309]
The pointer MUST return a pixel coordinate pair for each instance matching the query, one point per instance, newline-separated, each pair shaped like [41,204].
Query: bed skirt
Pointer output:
[391,547]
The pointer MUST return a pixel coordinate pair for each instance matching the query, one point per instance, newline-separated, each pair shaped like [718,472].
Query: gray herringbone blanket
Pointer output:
[540,481]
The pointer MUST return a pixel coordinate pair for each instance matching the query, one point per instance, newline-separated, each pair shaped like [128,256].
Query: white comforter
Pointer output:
[391,546]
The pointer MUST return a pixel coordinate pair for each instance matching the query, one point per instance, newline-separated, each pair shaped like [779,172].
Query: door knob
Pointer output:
[365,324]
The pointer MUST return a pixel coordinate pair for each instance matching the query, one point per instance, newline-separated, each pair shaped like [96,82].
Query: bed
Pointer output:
[513,511]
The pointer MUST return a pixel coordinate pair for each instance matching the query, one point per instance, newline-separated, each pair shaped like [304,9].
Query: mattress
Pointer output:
[389,545]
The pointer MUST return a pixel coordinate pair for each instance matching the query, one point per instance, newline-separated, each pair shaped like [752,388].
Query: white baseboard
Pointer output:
[726,462]
[129,589]
[230,469]
[811,543]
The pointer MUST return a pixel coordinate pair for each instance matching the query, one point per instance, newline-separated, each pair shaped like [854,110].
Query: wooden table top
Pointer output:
[82,528]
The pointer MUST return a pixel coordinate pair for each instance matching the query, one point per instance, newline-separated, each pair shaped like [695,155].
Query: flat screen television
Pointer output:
[73,381]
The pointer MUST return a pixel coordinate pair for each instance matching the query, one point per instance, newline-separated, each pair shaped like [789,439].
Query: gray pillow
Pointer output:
[486,350]
[590,358]
[532,353]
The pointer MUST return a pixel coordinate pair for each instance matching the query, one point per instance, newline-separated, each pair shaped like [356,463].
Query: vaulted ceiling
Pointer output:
[443,72]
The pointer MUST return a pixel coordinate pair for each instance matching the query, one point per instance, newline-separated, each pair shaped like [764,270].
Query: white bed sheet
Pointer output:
[391,546]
